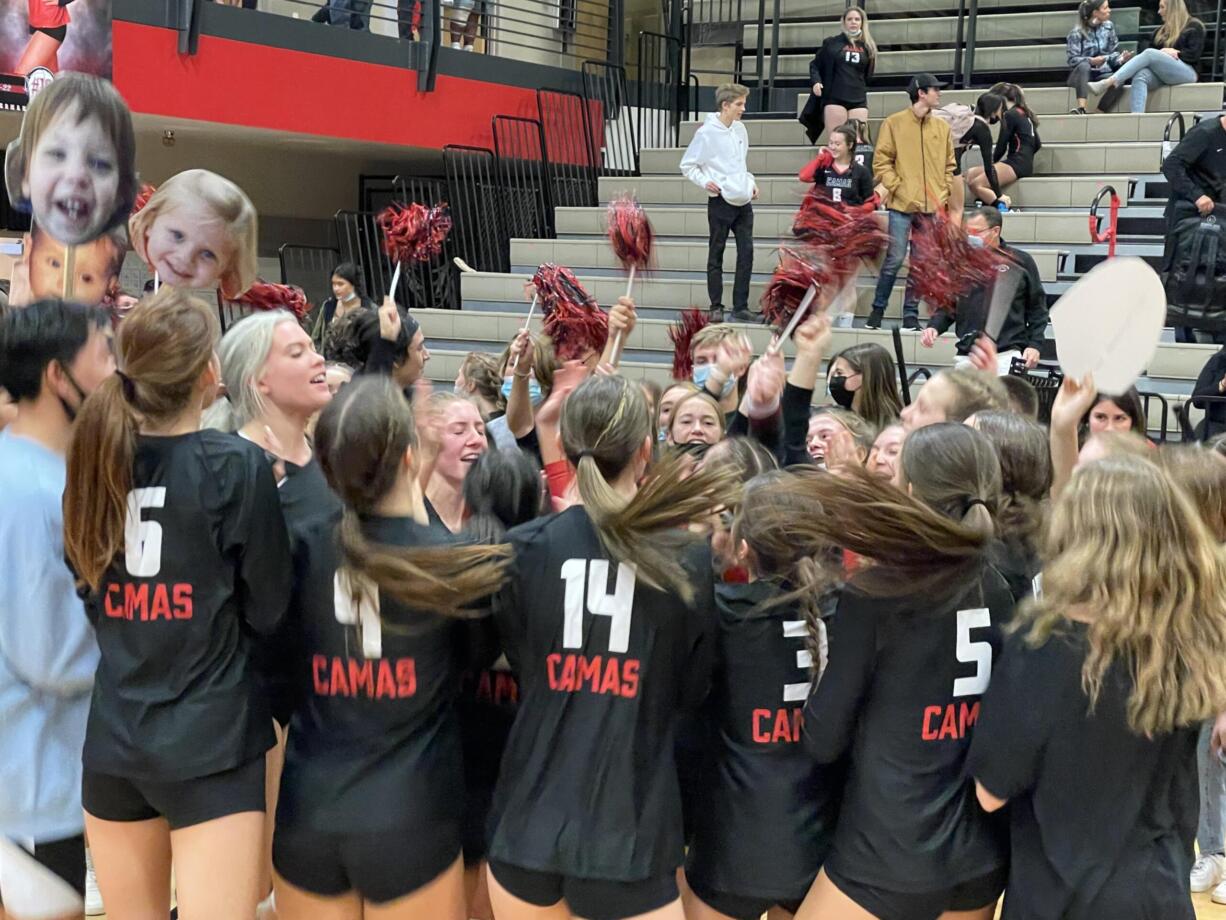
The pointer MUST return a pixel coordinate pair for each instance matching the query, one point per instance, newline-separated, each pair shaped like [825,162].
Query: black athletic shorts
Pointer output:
[849,104]
[182,803]
[924,905]
[739,906]
[64,859]
[593,899]
[56,32]
[1022,166]
[381,867]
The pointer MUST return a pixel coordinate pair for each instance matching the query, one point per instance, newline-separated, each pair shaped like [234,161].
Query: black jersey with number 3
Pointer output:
[588,787]
[206,562]
[764,811]
[901,694]
[375,745]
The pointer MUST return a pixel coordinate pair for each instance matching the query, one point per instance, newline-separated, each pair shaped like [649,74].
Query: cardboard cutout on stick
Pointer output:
[73,164]
[198,231]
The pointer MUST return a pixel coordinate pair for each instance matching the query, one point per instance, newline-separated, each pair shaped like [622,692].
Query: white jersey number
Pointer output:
[587,580]
[796,629]
[853,57]
[142,540]
[356,601]
[978,653]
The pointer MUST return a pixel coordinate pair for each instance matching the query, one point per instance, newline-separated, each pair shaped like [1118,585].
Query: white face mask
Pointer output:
[853,33]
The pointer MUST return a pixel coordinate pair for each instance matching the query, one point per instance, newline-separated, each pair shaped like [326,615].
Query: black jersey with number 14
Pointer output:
[605,663]
[206,564]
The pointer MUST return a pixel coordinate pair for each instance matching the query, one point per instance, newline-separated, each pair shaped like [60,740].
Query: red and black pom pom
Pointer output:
[844,235]
[414,232]
[572,318]
[682,334]
[630,233]
[945,266]
[265,295]
[796,272]
[143,194]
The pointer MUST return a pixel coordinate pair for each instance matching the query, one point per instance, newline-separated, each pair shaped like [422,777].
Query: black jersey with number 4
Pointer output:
[206,563]
[588,787]
[764,810]
[375,745]
[1101,818]
[901,694]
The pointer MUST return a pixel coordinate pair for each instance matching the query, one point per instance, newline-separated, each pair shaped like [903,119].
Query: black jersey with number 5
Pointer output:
[588,787]
[764,810]
[206,564]
[375,744]
[901,694]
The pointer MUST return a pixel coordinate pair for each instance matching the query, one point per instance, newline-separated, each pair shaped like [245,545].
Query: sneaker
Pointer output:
[1208,872]
[911,324]
[874,319]
[1218,896]
[744,316]
[93,897]
[1098,87]
[1077,111]
[716,312]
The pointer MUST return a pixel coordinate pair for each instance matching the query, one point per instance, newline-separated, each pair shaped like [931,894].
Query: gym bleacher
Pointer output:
[1080,155]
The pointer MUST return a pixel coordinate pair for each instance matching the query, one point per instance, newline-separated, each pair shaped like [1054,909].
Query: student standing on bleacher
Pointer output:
[914,163]
[716,161]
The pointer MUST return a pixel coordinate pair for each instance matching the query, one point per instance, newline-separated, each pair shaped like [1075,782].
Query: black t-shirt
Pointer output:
[979,135]
[901,696]
[764,811]
[588,787]
[852,186]
[864,156]
[843,68]
[1019,565]
[1101,819]
[375,744]
[206,565]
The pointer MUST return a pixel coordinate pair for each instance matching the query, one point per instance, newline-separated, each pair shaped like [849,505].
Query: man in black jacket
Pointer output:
[1196,171]
[1025,325]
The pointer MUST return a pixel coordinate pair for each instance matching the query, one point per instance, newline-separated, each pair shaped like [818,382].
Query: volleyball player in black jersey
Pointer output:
[763,810]
[368,821]
[911,651]
[178,539]
[1089,729]
[607,622]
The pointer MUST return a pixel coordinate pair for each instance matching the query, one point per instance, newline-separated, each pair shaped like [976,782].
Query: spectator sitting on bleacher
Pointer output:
[1093,53]
[839,73]
[864,142]
[971,128]
[716,161]
[1172,58]
[1024,327]
[914,168]
[1016,146]
[1212,382]
[348,14]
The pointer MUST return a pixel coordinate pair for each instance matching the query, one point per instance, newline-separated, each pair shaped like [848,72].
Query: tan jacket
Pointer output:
[914,160]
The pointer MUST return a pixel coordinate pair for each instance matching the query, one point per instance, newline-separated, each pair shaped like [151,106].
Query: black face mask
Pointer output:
[69,410]
[842,396]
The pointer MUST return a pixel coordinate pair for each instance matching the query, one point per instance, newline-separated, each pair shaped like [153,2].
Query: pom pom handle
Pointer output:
[801,310]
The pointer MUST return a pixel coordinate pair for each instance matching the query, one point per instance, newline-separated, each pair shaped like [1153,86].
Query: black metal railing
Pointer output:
[572,156]
[434,284]
[659,90]
[477,208]
[519,148]
[359,241]
[611,118]
[310,268]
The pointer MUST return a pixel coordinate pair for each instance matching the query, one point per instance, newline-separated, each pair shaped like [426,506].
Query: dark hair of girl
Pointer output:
[361,440]
[1085,10]
[347,271]
[989,106]
[502,489]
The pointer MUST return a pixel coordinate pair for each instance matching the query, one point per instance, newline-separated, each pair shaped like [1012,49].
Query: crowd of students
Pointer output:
[330,647]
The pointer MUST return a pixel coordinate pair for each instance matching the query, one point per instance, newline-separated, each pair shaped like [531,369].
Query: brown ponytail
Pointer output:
[361,440]
[605,423]
[164,347]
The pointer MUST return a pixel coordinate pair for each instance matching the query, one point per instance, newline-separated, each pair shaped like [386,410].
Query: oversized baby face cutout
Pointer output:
[73,164]
[198,231]
[1109,323]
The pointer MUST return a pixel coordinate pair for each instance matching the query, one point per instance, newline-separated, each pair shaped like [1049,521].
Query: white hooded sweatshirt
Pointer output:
[717,154]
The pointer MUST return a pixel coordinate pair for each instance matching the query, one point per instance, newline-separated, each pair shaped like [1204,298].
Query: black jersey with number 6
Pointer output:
[588,787]
[901,694]
[206,564]
[764,810]
[375,744]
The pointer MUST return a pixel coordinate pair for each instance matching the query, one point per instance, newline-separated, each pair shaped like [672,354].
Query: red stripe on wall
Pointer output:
[260,86]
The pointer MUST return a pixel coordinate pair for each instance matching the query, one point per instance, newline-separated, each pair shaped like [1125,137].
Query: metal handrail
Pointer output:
[1110,235]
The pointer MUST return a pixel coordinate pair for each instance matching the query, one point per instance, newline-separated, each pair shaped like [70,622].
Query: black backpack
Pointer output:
[1196,283]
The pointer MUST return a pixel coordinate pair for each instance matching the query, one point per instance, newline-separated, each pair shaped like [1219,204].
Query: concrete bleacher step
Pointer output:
[1035,192]
[1052,159]
[1045,25]
[1054,129]
[988,58]
[1057,100]
[1020,226]
[581,255]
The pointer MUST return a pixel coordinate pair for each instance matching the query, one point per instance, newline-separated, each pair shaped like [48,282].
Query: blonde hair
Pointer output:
[1177,19]
[605,423]
[1201,473]
[861,429]
[231,205]
[865,36]
[974,391]
[1127,546]
[712,335]
[701,396]
[726,93]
